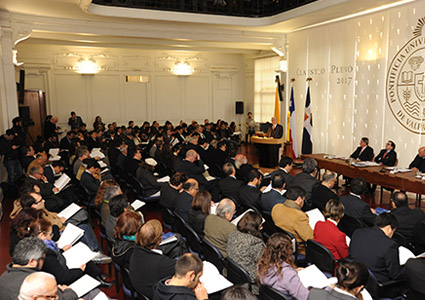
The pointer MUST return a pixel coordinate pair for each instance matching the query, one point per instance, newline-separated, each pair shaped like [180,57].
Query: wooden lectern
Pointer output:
[268,149]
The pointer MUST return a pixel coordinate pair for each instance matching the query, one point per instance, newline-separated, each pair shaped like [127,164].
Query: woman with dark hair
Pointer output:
[100,200]
[126,227]
[200,209]
[327,232]
[352,278]
[276,267]
[98,124]
[245,245]
[20,226]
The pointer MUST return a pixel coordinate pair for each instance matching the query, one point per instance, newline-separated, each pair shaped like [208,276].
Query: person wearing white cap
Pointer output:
[147,178]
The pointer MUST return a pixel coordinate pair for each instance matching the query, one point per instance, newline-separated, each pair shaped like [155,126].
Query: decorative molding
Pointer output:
[85,4]
[136,63]
[21,32]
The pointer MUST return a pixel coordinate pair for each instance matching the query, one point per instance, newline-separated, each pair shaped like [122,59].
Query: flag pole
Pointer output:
[288,119]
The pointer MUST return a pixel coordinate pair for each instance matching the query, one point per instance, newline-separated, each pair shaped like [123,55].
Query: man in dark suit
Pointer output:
[170,191]
[184,200]
[250,194]
[276,130]
[285,167]
[387,156]
[363,152]
[75,121]
[28,155]
[92,141]
[307,180]
[133,161]
[229,186]
[274,196]
[407,218]
[53,169]
[66,142]
[414,271]
[90,179]
[418,164]
[355,207]
[322,193]
[375,248]
[220,154]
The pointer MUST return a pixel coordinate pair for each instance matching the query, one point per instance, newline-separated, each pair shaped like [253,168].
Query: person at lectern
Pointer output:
[276,130]
[418,164]
[364,152]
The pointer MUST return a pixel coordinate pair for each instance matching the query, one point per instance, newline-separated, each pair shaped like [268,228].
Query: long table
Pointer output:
[400,181]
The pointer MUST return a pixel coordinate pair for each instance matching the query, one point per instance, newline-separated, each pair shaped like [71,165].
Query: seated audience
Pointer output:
[237,292]
[275,195]
[355,207]
[230,186]
[53,169]
[290,217]
[28,155]
[352,279]
[327,232]
[276,267]
[108,189]
[184,200]
[218,227]
[27,258]
[170,191]
[91,178]
[381,253]
[414,271]
[407,218]
[364,152]
[155,265]
[285,167]
[185,283]
[418,164]
[250,194]
[246,244]
[125,231]
[133,161]
[307,180]
[387,156]
[200,209]
[145,175]
[117,205]
[81,154]
[322,193]
[36,284]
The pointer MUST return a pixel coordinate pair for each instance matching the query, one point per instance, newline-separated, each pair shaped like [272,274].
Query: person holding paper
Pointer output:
[200,209]
[328,234]
[352,279]
[91,178]
[184,200]
[38,283]
[147,264]
[55,262]
[53,169]
[322,193]
[185,283]
[381,254]
[276,267]
[275,195]
[171,190]
[145,175]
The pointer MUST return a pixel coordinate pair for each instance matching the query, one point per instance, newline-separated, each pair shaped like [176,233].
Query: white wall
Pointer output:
[210,92]
[349,62]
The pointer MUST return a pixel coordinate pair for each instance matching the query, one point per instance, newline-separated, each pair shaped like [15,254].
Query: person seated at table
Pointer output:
[387,156]
[352,278]
[364,152]
[355,207]
[327,232]
[276,267]
[322,193]
[418,164]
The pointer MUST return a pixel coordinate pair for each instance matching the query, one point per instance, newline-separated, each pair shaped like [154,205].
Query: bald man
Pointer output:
[276,130]
[39,285]
[418,164]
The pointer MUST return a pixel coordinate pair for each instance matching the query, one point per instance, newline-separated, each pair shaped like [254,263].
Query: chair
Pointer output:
[179,225]
[237,274]
[127,286]
[393,289]
[320,256]
[268,226]
[138,186]
[384,188]
[116,266]
[348,225]
[193,240]
[300,259]
[269,293]
[212,254]
[167,218]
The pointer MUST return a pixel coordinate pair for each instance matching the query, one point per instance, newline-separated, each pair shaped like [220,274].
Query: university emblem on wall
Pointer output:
[406,83]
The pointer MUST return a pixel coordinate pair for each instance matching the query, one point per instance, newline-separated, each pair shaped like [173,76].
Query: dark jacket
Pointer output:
[6,148]
[418,163]
[407,219]
[90,183]
[414,272]
[49,173]
[389,159]
[358,209]
[289,179]
[55,264]
[322,294]
[229,188]
[250,196]
[320,195]
[149,181]
[270,199]
[366,155]
[12,278]
[183,204]
[168,196]
[121,252]
[197,221]
[307,182]
[193,170]
[162,291]
[378,252]
[155,268]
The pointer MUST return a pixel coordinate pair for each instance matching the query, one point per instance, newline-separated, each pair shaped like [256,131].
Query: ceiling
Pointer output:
[78,22]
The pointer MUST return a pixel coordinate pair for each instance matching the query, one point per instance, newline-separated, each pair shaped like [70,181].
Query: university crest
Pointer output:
[406,83]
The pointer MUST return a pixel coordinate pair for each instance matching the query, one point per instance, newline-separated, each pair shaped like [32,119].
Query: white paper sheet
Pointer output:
[164,179]
[78,255]
[70,235]
[69,211]
[314,216]
[213,280]
[312,276]
[236,220]
[137,204]
[62,181]
[84,285]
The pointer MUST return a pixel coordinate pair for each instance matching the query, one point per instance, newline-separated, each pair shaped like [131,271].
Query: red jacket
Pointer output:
[327,234]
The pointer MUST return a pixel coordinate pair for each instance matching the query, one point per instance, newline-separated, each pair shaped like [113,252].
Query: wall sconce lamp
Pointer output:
[182,69]
[86,66]
[15,58]
[283,65]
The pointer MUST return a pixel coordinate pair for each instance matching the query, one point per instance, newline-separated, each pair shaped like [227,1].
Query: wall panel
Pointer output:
[136,97]
[70,96]
[168,98]
[198,102]
[106,97]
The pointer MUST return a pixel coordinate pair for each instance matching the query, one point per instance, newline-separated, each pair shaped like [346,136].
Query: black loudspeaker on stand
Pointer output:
[239,107]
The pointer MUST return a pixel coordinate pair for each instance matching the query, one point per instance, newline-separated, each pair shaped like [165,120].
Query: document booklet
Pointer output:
[54,152]
[95,152]
[137,204]
[62,181]
[314,216]
[236,220]
[405,254]
[70,235]
[84,285]
[213,280]
[312,276]
[164,179]
[213,208]
[78,255]
[69,211]
[168,238]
